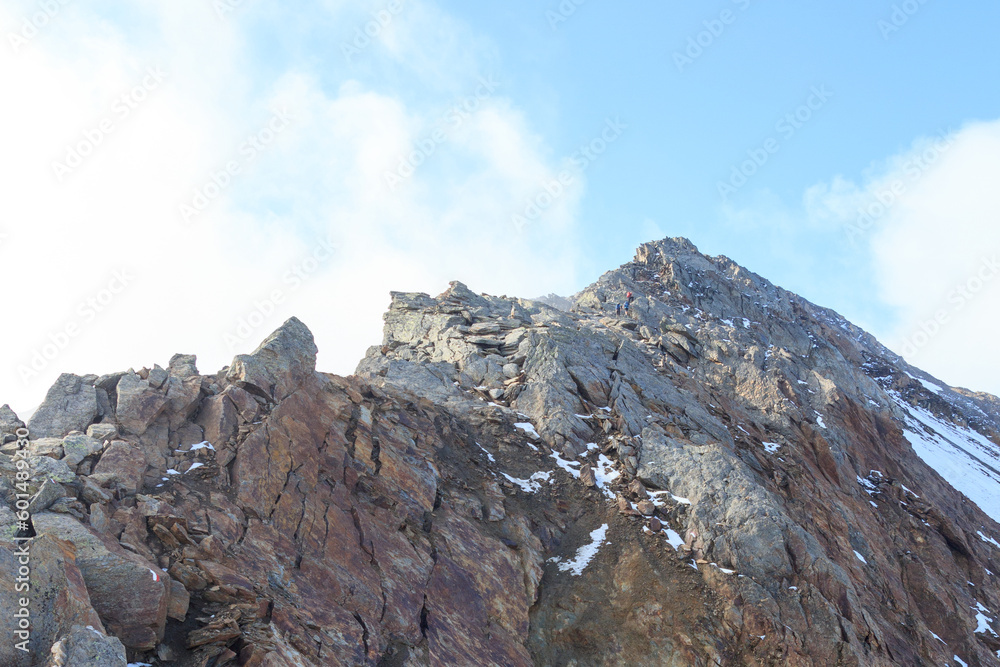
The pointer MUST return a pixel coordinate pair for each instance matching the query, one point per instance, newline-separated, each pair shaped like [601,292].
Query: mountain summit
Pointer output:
[725,474]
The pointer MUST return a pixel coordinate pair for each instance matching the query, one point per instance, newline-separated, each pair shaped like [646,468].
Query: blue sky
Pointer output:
[414,156]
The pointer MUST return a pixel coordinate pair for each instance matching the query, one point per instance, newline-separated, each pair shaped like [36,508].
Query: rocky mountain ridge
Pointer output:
[730,476]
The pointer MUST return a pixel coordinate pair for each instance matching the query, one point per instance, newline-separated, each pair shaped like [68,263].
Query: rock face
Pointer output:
[69,405]
[730,476]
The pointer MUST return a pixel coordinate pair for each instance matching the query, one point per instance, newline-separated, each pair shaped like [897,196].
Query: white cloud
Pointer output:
[321,177]
[929,217]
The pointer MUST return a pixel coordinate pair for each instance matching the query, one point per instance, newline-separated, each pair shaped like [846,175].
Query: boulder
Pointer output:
[58,595]
[46,468]
[219,419]
[9,423]
[86,646]
[129,593]
[157,377]
[139,404]
[69,405]
[279,365]
[123,463]
[51,447]
[47,494]
[77,447]
[183,365]
[103,431]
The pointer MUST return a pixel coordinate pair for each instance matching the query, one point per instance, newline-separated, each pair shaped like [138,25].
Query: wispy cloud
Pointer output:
[322,177]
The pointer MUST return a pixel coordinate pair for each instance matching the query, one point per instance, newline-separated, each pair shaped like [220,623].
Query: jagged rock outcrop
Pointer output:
[730,476]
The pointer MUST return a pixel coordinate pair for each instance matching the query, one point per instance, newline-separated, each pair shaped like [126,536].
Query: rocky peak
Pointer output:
[279,364]
[728,476]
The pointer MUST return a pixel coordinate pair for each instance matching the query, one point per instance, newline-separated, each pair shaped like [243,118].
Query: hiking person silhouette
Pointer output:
[618,309]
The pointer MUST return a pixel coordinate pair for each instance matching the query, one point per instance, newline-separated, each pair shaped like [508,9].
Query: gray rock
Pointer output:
[59,601]
[127,591]
[279,365]
[48,494]
[87,646]
[78,447]
[102,431]
[183,365]
[138,404]
[9,424]
[157,376]
[51,447]
[45,468]
[69,405]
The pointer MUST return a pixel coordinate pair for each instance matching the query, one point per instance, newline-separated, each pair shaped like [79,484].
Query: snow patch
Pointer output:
[983,620]
[674,539]
[528,428]
[771,447]
[566,465]
[604,474]
[531,485]
[939,639]
[584,554]
[861,558]
[988,540]
[966,459]
[488,455]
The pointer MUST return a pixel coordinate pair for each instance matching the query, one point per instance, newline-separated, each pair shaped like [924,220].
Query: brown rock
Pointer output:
[189,575]
[127,591]
[219,418]
[638,489]
[587,476]
[646,507]
[623,503]
[213,634]
[122,463]
[58,594]
[177,607]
